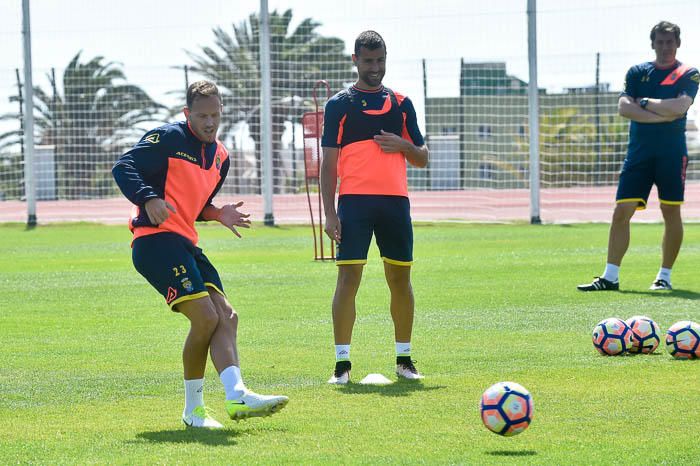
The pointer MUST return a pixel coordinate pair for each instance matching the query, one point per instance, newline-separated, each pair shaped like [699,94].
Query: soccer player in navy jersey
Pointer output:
[171,176]
[656,97]
[369,133]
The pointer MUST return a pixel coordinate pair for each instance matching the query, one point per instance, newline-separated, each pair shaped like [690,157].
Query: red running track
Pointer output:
[560,205]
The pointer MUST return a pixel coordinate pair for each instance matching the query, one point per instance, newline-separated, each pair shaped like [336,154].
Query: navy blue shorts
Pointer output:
[387,217]
[175,267]
[654,161]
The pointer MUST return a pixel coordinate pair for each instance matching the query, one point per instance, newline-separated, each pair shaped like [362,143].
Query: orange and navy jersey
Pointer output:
[648,80]
[352,118]
[171,163]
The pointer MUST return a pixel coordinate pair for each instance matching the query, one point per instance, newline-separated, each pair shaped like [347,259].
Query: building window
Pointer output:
[449,130]
[484,131]
[486,171]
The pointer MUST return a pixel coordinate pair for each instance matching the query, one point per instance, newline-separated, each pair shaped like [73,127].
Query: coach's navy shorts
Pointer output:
[388,217]
[175,267]
[660,161]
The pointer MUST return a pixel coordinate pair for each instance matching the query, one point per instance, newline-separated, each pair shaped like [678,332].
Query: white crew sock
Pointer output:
[233,383]
[664,274]
[194,395]
[403,349]
[342,352]
[612,272]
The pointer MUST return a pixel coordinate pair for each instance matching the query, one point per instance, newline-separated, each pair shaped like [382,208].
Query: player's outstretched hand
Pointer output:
[390,142]
[230,217]
[157,210]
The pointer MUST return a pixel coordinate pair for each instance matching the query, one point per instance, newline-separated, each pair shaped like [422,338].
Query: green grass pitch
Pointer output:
[90,369]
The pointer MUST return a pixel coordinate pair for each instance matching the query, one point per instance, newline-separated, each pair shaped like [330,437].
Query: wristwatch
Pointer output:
[643,102]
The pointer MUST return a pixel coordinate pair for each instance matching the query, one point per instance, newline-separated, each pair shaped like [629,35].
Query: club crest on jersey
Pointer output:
[153,138]
[364,103]
[187,284]
[218,162]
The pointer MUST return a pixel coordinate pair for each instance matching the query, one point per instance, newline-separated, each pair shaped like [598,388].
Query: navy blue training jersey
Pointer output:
[352,119]
[340,104]
[171,163]
[647,80]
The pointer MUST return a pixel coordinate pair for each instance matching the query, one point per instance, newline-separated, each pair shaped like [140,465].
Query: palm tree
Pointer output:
[94,118]
[298,59]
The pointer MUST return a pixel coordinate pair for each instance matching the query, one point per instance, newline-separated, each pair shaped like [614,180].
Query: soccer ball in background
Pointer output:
[612,337]
[506,408]
[645,334]
[683,340]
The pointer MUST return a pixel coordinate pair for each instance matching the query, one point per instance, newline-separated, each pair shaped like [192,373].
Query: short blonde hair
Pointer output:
[201,88]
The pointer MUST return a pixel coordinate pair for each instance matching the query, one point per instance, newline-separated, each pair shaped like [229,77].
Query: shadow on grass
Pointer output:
[657,352]
[512,453]
[203,436]
[399,388]
[676,293]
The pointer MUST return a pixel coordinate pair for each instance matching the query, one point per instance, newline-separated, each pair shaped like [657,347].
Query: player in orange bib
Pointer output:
[171,176]
[369,133]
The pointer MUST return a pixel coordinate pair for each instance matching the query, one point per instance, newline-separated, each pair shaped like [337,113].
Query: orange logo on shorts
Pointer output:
[172,294]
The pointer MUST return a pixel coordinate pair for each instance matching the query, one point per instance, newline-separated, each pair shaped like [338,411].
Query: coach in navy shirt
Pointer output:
[656,97]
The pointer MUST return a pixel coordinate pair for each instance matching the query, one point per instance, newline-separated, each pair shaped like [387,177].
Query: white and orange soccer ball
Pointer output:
[506,408]
[683,340]
[645,334]
[612,337]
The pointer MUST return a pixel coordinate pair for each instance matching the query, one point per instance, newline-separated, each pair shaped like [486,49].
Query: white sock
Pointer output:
[664,274]
[233,383]
[403,349]
[194,395]
[612,272]
[342,352]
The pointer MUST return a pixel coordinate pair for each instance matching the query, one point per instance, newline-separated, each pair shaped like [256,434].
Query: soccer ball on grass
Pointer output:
[612,337]
[645,334]
[683,340]
[506,408]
